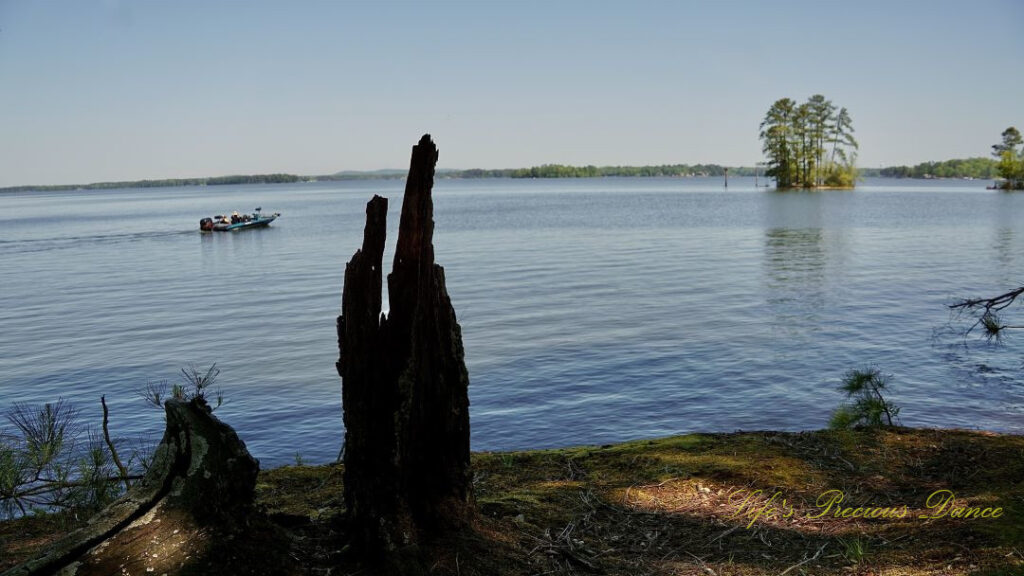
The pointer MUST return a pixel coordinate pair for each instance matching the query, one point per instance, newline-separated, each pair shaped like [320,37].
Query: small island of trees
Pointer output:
[809,145]
[1010,154]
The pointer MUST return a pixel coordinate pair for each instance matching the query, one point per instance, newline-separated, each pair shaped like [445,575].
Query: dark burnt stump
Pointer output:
[404,380]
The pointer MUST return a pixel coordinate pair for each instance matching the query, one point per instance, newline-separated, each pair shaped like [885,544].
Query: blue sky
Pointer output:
[95,90]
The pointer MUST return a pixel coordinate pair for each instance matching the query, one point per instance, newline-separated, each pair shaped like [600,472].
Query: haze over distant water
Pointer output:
[107,90]
[592,310]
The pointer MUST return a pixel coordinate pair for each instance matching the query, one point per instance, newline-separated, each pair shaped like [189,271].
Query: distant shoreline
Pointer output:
[549,171]
[544,171]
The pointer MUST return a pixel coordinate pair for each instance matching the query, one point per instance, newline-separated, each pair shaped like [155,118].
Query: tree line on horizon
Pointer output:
[164,183]
[591,171]
[978,168]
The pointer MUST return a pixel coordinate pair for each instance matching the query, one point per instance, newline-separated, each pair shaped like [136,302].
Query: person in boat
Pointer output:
[234,217]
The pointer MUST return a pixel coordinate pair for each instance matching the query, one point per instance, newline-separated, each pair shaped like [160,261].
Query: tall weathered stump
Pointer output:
[404,380]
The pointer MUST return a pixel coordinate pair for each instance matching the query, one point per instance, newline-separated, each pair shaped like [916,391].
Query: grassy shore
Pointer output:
[682,505]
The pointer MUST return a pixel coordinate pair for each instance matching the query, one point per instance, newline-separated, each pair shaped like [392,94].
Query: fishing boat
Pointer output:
[236,221]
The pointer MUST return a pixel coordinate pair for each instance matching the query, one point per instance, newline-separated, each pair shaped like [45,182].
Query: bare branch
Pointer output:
[155,393]
[990,307]
[989,304]
[110,445]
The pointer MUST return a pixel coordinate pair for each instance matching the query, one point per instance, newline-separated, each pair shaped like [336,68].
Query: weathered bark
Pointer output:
[405,384]
[369,397]
[202,476]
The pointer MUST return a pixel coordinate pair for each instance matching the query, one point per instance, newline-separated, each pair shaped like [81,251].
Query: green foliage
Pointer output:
[44,431]
[854,549]
[195,384]
[95,486]
[10,467]
[200,384]
[809,145]
[980,168]
[563,171]
[1011,159]
[251,179]
[567,171]
[864,405]
[37,461]
[991,324]
[53,462]
[842,174]
[1011,140]
[508,460]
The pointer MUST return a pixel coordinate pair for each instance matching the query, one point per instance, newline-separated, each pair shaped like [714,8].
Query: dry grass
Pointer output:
[674,506]
[689,505]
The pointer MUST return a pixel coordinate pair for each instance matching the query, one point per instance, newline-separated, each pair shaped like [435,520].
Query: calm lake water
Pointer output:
[593,311]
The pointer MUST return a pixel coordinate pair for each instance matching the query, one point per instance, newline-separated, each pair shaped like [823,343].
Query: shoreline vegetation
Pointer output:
[968,169]
[894,500]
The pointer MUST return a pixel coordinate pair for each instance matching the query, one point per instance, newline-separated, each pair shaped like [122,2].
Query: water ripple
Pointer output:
[592,311]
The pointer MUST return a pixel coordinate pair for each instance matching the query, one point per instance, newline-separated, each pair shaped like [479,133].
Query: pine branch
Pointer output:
[54,486]
[989,307]
[989,304]
[110,445]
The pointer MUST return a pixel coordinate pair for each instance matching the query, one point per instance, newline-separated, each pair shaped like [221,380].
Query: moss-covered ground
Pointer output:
[702,504]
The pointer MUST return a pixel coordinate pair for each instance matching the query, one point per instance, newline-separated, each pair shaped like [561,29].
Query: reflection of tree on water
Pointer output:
[795,261]
[1006,245]
[1004,253]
